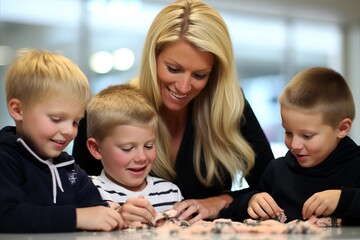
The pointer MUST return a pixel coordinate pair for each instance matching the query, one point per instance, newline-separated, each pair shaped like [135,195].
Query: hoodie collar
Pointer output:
[345,151]
[56,181]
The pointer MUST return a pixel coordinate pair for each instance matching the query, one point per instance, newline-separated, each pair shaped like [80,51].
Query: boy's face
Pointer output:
[50,125]
[128,154]
[307,137]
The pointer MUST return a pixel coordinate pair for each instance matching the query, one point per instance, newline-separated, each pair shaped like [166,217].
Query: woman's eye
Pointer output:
[76,123]
[307,136]
[199,76]
[173,69]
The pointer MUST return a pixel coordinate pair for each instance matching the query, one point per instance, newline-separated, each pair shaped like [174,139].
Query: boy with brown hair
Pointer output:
[320,174]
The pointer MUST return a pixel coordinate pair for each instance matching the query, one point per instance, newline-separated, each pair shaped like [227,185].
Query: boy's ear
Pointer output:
[344,128]
[93,147]
[15,109]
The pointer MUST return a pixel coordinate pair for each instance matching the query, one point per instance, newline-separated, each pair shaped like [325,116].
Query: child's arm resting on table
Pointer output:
[99,218]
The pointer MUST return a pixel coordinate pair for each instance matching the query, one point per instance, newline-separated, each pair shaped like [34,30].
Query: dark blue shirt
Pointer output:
[28,202]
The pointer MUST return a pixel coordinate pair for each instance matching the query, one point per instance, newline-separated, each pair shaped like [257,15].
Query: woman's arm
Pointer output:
[254,134]
[194,210]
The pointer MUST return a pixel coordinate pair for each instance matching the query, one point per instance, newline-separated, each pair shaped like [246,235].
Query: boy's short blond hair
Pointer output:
[35,75]
[320,89]
[118,105]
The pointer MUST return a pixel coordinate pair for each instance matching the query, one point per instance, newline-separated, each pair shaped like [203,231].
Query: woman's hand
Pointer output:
[137,210]
[193,210]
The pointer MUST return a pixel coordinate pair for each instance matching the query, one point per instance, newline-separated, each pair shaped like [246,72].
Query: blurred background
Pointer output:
[272,39]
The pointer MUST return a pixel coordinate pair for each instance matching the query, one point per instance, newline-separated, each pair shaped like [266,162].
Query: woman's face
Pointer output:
[183,72]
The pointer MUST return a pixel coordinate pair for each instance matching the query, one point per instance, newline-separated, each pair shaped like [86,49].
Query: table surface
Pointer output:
[326,233]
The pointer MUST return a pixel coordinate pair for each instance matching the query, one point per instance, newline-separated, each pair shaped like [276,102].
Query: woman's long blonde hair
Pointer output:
[217,110]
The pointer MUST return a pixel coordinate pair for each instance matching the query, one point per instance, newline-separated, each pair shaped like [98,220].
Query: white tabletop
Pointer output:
[326,233]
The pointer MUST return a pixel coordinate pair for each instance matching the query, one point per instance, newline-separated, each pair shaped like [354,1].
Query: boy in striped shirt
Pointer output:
[121,130]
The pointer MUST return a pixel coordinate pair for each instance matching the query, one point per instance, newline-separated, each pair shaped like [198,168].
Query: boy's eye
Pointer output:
[126,149]
[288,133]
[55,119]
[306,136]
[149,146]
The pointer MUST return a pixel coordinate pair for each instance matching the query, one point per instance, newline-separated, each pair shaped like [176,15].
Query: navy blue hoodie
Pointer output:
[291,185]
[39,195]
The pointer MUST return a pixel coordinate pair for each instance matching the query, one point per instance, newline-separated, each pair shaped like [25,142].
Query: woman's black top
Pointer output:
[186,178]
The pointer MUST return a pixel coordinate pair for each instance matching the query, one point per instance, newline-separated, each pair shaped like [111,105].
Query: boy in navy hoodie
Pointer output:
[42,189]
[320,174]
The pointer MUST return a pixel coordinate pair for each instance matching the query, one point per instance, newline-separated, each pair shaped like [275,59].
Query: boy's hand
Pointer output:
[321,203]
[136,210]
[98,218]
[113,205]
[263,206]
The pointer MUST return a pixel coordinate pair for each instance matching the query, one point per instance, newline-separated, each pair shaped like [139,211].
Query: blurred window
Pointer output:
[268,50]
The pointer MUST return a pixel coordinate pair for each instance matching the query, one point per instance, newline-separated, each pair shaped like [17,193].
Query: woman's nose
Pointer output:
[184,84]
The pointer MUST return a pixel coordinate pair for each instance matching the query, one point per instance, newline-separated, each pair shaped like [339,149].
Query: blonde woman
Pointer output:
[208,136]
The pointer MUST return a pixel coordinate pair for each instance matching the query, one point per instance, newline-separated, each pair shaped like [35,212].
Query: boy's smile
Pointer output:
[127,154]
[307,137]
[50,125]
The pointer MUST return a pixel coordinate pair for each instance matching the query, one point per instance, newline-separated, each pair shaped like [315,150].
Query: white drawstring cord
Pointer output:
[56,181]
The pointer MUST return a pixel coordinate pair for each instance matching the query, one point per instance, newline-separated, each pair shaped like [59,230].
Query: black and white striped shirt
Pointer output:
[161,193]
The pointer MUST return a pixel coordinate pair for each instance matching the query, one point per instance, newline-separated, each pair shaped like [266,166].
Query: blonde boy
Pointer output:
[121,126]
[42,189]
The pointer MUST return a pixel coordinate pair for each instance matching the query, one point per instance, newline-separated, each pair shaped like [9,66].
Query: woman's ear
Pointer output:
[15,109]
[344,128]
[93,147]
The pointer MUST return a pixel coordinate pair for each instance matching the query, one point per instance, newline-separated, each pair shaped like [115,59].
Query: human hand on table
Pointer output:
[263,206]
[193,210]
[321,203]
[137,210]
[99,218]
